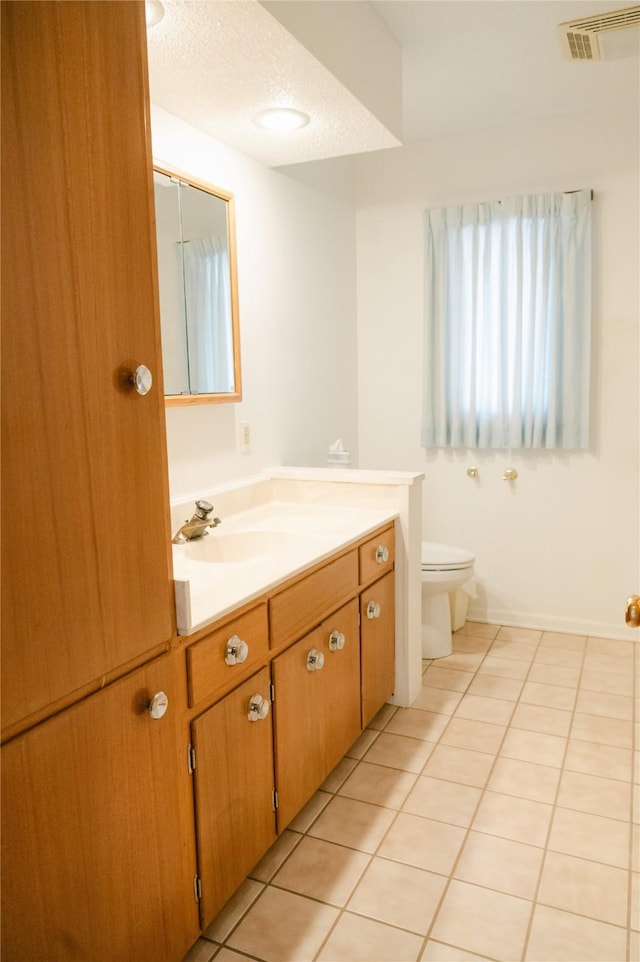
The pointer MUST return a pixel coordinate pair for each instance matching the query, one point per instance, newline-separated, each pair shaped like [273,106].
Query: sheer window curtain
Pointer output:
[507,323]
[208,309]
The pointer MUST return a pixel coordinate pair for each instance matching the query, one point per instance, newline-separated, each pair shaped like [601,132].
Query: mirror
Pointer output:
[197,276]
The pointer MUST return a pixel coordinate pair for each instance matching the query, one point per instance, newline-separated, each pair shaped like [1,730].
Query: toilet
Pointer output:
[445,569]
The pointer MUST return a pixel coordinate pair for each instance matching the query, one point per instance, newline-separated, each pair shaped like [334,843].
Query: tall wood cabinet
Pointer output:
[96,863]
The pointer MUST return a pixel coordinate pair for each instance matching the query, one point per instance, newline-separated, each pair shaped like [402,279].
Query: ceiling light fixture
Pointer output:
[154,12]
[283,120]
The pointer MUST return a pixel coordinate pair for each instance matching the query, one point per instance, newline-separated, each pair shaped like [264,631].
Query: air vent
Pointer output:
[608,36]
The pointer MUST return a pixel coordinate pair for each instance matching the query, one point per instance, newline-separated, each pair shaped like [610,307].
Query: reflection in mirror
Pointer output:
[198,290]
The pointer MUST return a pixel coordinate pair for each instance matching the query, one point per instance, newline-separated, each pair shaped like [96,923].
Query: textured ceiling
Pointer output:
[217,63]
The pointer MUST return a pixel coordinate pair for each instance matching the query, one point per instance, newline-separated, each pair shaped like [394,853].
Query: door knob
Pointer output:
[373,609]
[158,704]
[315,660]
[237,651]
[632,614]
[336,641]
[142,379]
[258,708]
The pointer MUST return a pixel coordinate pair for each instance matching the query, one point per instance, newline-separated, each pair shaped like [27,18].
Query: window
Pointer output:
[507,323]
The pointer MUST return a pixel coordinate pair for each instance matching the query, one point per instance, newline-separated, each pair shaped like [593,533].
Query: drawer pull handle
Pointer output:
[158,704]
[237,651]
[315,660]
[373,609]
[258,708]
[382,554]
[336,641]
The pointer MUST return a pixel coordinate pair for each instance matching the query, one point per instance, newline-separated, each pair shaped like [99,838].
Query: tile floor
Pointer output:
[497,818]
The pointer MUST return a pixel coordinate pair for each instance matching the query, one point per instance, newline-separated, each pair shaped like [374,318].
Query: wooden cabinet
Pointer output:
[85,543]
[97,844]
[377,634]
[316,707]
[234,790]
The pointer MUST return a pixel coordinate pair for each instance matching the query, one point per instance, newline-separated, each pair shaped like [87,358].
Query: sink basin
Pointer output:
[235,547]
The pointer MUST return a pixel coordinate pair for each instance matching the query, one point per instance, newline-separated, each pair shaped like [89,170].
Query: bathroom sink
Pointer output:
[236,547]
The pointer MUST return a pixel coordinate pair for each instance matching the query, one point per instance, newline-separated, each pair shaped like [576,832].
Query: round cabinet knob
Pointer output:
[382,554]
[315,660]
[373,609]
[237,651]
[158,704]
[258,708]
[336,641]
[142,379]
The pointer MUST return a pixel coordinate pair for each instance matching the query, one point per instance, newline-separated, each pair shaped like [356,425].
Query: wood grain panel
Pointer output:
[377,647]
[369,566]
[207,672]
[86,569]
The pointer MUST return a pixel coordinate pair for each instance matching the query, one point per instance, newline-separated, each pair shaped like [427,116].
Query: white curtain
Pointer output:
[208,310]
[507,323]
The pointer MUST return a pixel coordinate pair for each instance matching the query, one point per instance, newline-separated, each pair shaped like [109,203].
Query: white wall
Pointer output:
[559,547]
[296,278]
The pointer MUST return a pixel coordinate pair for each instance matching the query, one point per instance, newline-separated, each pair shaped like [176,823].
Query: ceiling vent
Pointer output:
[608,36]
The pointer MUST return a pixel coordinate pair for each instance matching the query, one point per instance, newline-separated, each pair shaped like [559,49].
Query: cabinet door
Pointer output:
[98,851]
[317,712]
[377,652]
[85,541]
[234,792]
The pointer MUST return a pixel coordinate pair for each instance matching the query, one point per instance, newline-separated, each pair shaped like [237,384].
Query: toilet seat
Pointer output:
[445,557]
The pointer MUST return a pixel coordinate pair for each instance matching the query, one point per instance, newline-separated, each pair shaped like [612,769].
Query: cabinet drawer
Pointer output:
[372,555]
[210,670]
[305,603]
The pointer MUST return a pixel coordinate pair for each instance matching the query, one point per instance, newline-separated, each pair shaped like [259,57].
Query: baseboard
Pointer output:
[569,626]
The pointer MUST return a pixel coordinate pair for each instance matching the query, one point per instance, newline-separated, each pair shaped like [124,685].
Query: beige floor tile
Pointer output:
[452,680]
[322,870]
[363,743]
[478,629]
[400,752]
[563,657]
[423,842]
[398,895]
[500,864]
[417,723]
[495,687]
[279,851]
[537,718]
[504,667]
[596,759]
[378,784]
[610,646]
[483,708]
[635,900]
[551,696]
[607,681]
[382,718]
[558,639]
[459,765]
[534,747]
[529,635]
[233,911]
[462,660]
[471,643]
[438,700]
[444,801]
[605,703]
[561,937]
[516,650]
[584,888]
[344,767]
[608,731]
[598,796]
[621,664]
[511,776]
[588,836]
[228,955]
[554,675]
[438,952]
[283,927]
[475,735]
[518,819]
[356,939]
[483,921]
[202,951]
[347,821]
[307,815]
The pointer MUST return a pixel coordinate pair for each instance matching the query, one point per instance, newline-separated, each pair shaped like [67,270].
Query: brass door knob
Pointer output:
[632,614]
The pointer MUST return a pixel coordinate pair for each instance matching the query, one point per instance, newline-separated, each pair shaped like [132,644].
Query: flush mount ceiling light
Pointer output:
[154,12]
[281,119]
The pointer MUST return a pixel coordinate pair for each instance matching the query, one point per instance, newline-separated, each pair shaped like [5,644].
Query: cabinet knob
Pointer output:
[382,554]
[336,641]
[142,379]
[158,704]
[258,708]
[373,609]
[237,651]
[315,660]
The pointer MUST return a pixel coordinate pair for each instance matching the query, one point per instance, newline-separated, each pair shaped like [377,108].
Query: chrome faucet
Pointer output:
[197,526]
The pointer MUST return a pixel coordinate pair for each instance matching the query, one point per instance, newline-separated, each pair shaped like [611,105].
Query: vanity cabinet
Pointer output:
[97,845]
[87,590]
[377,633]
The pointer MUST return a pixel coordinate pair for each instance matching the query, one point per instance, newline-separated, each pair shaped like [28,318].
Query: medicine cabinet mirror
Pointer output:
[197,273]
